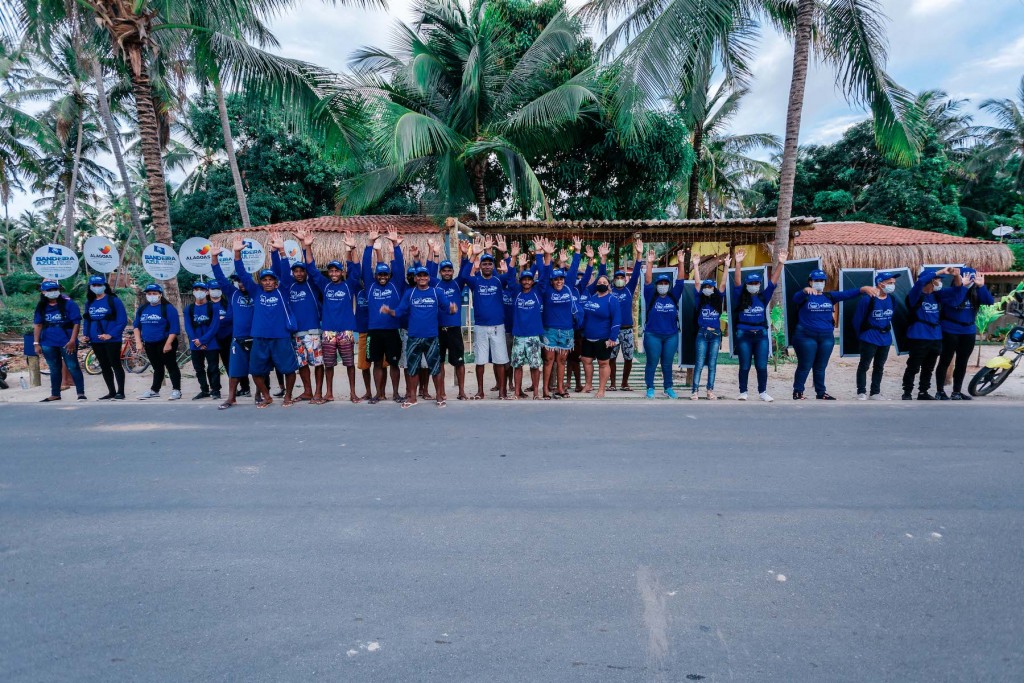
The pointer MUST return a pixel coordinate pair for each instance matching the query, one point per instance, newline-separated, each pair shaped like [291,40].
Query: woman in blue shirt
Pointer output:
[814,337]
[105,320]
[601,322]
[55,332]
[750,309]
[873,321]
[156,330]
[661,331]
[708,314]
[957,321]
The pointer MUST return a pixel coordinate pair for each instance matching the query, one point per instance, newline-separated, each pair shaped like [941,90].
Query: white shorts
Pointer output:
[489,345]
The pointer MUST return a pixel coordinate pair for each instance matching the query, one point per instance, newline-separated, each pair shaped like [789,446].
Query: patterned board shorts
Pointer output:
[402,359]
[526,351]
[338,346]
[309,348]
[558,340]
[423,352]
[627,345]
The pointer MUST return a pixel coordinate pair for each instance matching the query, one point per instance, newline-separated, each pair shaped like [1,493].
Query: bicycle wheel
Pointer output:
[91,364]
[135,363]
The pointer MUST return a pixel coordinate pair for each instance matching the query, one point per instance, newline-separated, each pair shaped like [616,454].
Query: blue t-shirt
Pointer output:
[303,297]
[601,318]
[422,308]
[338,313]
[815,310]
[389,295]
[271,317]
[58,322]
[98,319]
[527,310]
[488,307]
[154,327]
[754,316]
[663,311]
[873,320]
[709,310]
[625,294]
[958,314]
[558,304]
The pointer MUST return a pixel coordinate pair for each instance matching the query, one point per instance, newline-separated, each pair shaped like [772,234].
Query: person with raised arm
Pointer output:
[924,333]
[601,322]
[489,317]
[873,321]
[452,347]
[561,311]
[624,290]
[241,326]
[958,317]
[383,291]
[527,323]
[750,300]
[661,332]
[708,324]
[304,300]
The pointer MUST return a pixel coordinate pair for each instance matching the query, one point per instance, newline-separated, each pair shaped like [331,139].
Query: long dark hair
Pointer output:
[715,300]
[90,297]
[61,301]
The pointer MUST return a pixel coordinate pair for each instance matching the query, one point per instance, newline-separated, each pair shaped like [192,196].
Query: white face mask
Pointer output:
[97,289]
[153,298]
[215,293]
[707,291]
[889,289]
[753,289]
[937,286]
[663,289]
[619,282]
[52,294]
[199,296]
[818,286]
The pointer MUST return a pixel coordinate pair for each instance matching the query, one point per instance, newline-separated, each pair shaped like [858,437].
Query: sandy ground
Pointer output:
[840,383]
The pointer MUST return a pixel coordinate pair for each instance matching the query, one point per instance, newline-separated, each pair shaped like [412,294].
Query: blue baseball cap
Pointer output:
[753,277]
[421,270]
[620,272]
[662,277]
[49,286]
[154,288]
[267,271]
[526,274]
[886,275]
[708,283]
[382,268]
[298,264]
[557,272]
[445,264]
[486,257]
[336,264]
[199,284]
[97,280]
[817,275]
[967,270]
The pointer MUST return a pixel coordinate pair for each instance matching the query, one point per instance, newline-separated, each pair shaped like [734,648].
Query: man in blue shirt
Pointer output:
[383,291]
[959,329]
[873,321]
[489,317]
[240,304]
[924,333]
[452,346]
[623,290]
[304,299]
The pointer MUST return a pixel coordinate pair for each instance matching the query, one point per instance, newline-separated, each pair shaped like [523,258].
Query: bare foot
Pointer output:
[599,394]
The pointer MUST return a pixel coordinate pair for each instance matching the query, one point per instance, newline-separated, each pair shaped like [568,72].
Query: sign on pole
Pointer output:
[253,256]
[101,254]
[195,255]
[292,252]
[54,262]
[160,261]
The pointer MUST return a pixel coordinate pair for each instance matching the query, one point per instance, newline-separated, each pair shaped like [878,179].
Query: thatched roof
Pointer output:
[870,245]
[734,230]
[329,232]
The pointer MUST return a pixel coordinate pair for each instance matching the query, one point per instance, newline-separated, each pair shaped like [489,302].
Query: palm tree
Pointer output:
[1005,141]
[665,38]
[946,118]
[452,103]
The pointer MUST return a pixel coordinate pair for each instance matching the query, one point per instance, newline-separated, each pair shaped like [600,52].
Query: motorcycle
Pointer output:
[998,368]
[5,360]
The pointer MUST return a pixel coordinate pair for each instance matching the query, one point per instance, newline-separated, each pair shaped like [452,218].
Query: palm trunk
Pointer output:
[787,174]
[693,194]
[7,236]
[115,147]
[229,147]
[478,168]
[149,142]
[69,200]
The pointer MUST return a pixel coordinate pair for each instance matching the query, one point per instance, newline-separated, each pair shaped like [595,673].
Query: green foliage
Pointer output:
[986,316]
[16,313]
[1018,256]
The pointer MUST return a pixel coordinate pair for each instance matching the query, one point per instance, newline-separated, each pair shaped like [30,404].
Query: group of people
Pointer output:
[536,317]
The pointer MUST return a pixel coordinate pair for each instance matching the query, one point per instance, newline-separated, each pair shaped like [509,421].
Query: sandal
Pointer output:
[613,388]
[225,405]
[288,403]
[407,404]
[355,399]
[374,401]
[265,404]
[442,403]
[50,399]
[626,388]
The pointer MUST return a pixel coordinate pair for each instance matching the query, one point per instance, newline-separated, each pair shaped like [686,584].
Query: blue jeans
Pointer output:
[659,347]
[813,349]
[753,345]
[708,344]
[54,355]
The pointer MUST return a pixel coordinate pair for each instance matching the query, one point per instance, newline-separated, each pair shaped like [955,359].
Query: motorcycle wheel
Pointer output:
[3,383]
[987,380]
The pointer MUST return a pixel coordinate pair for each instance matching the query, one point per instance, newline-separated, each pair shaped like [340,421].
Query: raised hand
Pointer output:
[478,246]
[464,247]
[305,238]
[740,255]
[638,247]
[979,279]
[499,242]
[589,251]
[348,241]
[604,249]
[727,261]
[237,244]
[651,258]
[488,242]
[549,247]
[516,249]
[502,268]
[563,257]
[276,243]
[577,243]
[395,238]
[781,257]
[681,257]
[374,235]
[431,246]
[414,251]
[523,260]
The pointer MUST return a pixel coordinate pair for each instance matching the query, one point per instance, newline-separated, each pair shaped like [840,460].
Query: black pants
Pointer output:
[876,355]
[206,364]
[109,356]
[923,355]
[961,346]
[162,362]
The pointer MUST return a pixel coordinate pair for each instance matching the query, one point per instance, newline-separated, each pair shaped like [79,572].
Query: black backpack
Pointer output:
[111,314]
[209,311]
[865,324]
[163,313]
[62,304]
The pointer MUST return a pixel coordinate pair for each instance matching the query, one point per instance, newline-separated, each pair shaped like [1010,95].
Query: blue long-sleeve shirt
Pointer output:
[958,314]
[377,296]
[663,311]
[453,290]
[815,310]
[924,310]
[488,306]
[423,309]
[58,322]
[153,326]
[338,313]
[241,302]
[873,320]
[754,316]
[527,309]
[304,297]
[602,318]
[625,294]
[558,303]
[272,317]
[98,319]
[202,321]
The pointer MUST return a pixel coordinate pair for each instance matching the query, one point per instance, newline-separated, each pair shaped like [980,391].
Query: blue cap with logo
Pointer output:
[886,275]
[445,264]
[662,277]
[967,270]
[97,280]
[620,272]
[486,257]
[557,273]
[421,270]
[707,283]
[268,272]
[526,274]
[753,277]
[154,288]
[199,284]
[49,286]
[299,264]
[382,268]
[818,275]
[336,264]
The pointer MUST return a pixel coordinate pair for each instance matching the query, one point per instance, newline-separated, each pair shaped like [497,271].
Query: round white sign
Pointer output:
[160,261]
[253,256]
[292,251]
[55,262]
[101,254]
[226,259]
[194,255]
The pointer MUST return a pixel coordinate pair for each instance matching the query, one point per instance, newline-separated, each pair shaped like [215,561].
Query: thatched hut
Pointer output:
[329,233]
[869,245]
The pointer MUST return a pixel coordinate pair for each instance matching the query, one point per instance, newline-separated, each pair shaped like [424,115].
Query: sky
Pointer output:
[970,48]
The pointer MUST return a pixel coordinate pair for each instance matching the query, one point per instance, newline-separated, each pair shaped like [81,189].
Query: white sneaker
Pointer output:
[149,394]
[765,397]
[862,397]
[742,397]
[878,397]
[175,395]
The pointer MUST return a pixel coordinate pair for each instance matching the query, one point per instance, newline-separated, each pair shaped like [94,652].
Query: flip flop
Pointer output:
[462,398]
[300,399]
[547,398]
[224,406]
[442,404]
[373,401]
[328,400]
[288,403]
[613,388]
[406,404]
[625,388]
[355,399]
[474,397]
[316,401]
[264,404]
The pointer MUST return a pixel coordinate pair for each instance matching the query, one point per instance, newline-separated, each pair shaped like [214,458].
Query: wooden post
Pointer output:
[34,378]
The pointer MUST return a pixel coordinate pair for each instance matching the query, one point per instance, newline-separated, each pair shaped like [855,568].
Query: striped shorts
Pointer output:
[338,346]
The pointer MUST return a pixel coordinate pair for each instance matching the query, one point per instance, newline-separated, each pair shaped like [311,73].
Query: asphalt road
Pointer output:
[512,542]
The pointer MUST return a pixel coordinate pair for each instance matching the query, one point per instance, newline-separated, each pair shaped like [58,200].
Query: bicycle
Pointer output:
[133,360]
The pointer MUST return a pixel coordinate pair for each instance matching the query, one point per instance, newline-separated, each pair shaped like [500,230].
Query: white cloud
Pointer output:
[831,129]
[1010,57]
[929,7]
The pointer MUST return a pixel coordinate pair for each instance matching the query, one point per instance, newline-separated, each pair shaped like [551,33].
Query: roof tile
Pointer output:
[404,224]
[873,234]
